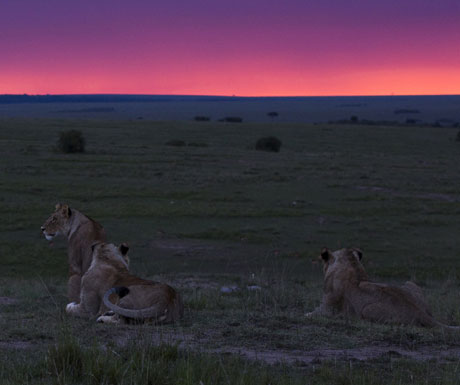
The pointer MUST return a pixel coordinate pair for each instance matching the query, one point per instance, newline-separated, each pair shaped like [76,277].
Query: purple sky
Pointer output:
[252,47]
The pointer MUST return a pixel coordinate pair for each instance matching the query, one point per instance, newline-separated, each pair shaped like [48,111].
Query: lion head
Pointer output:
[58,222]
[342,267]
[110,254]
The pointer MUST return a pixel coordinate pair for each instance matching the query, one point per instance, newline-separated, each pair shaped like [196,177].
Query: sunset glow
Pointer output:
[265,48]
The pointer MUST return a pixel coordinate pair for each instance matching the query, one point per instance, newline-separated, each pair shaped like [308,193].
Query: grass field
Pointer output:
[216,213]
[424,109]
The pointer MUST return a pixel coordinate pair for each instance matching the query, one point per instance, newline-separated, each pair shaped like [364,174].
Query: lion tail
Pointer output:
[155,312]
[447,327]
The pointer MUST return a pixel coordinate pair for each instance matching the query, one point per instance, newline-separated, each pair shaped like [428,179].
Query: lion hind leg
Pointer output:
[331,304]
[381,312]
[76,309]
[416,293]
[376,312]
[88,306]
[322,310]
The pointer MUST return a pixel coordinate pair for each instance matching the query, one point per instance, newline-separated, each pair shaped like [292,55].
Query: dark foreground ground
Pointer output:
[238,232]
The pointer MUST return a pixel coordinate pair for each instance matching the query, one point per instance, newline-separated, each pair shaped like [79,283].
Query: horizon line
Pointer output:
[226,96]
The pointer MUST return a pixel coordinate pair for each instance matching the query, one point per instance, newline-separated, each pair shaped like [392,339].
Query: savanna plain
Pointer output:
[238,232]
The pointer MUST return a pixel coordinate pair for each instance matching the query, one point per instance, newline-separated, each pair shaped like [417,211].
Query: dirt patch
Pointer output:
[200,343]
[204,248]
[214,256]
[195,283]
[15,344]
[429,196]
[157,336]
[357,354]
[177,246]
[8,301]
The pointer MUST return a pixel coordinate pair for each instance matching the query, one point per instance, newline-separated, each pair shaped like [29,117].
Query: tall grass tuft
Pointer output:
[65,359]
[68,362]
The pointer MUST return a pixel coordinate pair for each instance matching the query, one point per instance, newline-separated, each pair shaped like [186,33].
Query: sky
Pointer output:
[230,47]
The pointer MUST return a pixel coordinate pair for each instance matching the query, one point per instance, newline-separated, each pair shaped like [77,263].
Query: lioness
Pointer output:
[140,299]
[81,232]
[348,291]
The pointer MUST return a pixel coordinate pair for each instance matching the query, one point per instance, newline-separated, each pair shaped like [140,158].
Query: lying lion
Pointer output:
[140,299]
[81,232]
[347,291]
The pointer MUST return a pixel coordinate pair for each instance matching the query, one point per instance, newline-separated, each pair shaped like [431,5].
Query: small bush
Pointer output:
[272,114]
[406,111]
[458,137]
[197,144]
[233,119]
[269,143]
[175,143]
[71,141]
[202,118]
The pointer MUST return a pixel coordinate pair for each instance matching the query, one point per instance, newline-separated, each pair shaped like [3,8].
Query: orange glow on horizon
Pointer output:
[264,83]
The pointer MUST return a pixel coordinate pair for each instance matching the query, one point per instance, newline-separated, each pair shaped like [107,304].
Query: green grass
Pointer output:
[70,361]
[205,217]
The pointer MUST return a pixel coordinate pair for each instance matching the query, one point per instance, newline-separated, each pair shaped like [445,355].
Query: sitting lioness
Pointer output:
[140,299]
[81,232]
[348,291]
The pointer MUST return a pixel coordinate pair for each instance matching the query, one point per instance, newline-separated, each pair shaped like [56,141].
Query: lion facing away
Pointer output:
[348,291]
[139,299]
[81,232]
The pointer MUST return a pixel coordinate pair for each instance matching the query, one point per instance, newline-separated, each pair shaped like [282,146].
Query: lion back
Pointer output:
[86,233]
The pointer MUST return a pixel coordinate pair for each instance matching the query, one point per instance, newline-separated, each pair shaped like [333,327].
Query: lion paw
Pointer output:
[109,313]
[71,307]
[107,318]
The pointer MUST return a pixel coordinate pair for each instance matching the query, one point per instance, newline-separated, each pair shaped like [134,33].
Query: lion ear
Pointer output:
[93,246]
[325,254]
[58,206]
[124,248]
[358,253]
[65,210]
